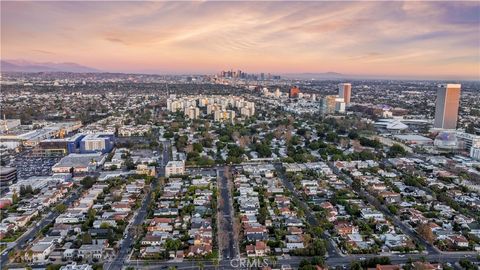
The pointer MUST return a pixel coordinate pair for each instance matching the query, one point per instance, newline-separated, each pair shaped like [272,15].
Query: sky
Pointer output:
[431,39]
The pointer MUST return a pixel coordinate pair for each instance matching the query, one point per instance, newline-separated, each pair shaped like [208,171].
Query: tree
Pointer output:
[197,147]
[466,264]
[129,164]
[426,232]
[15,197]
[393,209]
[216,262]
[353,135]
[60,208]
[263,150]
[396,150]
[53,266]
[30,254]
[355,265]
[331,137]
[86,238]
[87,182]
[319,247]
[104,225]
[172,244]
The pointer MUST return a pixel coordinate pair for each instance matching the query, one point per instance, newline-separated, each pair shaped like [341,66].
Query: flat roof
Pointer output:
[6,170]
[413,137]
[73,160]
[68,139]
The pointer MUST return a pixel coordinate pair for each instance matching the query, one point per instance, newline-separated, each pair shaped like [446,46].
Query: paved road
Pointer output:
[165,157]
[140,215]
[32,232]
[295,261]
[312,220]
[431,249]
[228,248]
[127,242]
[335,258]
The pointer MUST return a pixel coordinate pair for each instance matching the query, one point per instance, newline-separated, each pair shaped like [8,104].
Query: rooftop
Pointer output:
[73,160]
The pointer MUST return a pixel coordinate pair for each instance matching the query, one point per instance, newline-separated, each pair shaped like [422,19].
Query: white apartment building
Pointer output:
[211,108]
[475,153]
[224,115]
[247,112]
[340,105]
[174,167]
[192,112]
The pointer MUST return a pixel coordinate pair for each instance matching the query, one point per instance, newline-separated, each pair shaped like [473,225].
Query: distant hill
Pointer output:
[308,76]
[28,66]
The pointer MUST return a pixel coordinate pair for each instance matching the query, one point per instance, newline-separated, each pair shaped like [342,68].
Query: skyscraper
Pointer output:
[446,107]
[328,104]
[345,92]
[294,91]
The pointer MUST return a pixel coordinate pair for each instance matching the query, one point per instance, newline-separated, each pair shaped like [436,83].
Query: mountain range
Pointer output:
[29,66]
[314,76]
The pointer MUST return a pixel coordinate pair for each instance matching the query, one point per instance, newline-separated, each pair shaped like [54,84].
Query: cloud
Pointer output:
[270,36]
[43,52]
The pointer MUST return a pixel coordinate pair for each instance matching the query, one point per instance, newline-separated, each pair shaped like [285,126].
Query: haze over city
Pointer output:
[435,40]
[234,135]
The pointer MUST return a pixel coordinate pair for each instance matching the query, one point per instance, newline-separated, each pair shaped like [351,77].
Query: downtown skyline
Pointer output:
[433,40]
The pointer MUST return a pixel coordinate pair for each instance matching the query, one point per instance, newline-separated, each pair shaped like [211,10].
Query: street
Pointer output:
[332,249]
[127,243]
[32,232]
[227,246]
[295,261]
[431,249]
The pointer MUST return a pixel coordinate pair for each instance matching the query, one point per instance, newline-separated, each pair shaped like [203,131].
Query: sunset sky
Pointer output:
[431,39]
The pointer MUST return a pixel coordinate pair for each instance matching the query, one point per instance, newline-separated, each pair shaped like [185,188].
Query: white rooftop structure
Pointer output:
[391,124]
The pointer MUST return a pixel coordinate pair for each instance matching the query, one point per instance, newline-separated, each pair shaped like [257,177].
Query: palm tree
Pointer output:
[216,262]
[273,260]
[30,254]
[250,260]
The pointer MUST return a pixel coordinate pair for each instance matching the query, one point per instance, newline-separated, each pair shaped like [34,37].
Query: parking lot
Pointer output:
[28,165]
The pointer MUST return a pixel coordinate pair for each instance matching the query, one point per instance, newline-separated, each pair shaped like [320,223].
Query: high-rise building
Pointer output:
[328,104]
[246,111]
[203,102]
[174,105]
[224,115]
[294,91]
[345,92]
[446,107]
[211,108]
[278,93]
[339,105]
[192,112]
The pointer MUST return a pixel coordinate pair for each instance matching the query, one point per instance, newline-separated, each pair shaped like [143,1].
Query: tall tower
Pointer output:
[328,104]
[345,92]
[294,91]
[446,107]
